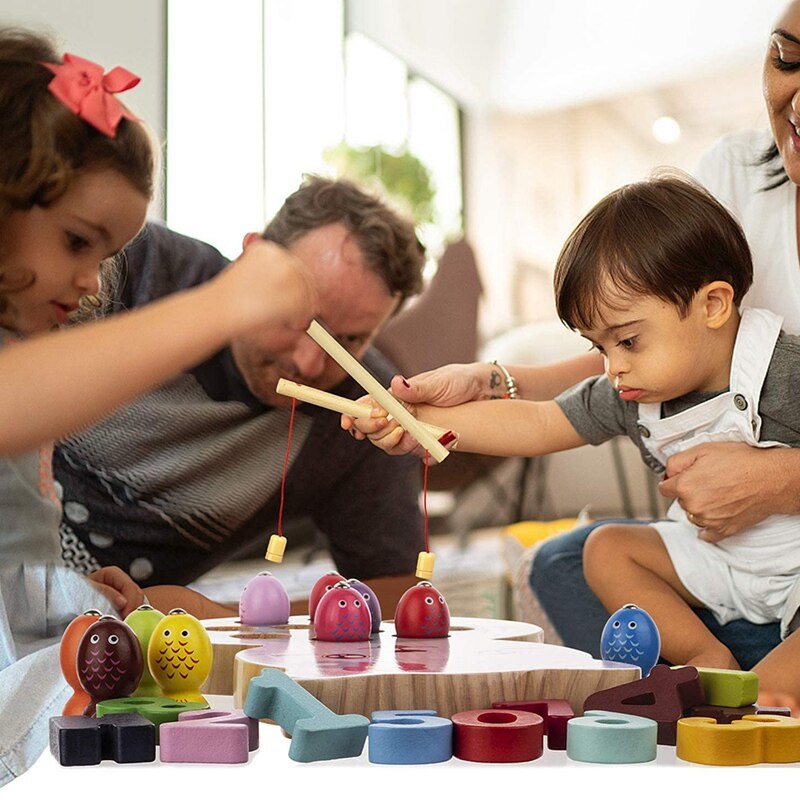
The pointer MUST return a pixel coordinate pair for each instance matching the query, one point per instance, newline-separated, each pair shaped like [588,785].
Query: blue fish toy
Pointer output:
[631,637]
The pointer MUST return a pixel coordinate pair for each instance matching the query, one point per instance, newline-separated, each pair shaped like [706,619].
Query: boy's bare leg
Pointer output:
[629,564]
[778,676]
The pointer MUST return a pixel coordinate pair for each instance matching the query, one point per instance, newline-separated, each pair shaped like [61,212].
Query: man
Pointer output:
[189,475]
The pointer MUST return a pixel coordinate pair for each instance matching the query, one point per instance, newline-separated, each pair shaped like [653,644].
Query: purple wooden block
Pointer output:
[209,737]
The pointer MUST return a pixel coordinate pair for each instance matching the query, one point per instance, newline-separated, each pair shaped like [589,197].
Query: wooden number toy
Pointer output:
[603,737]
[729,687]
[109,661]
[663,696]
[82,741]
[482,661]
[180,656]
[750,740]
[209,737]
[156,709]
[68,655]
[318,734]
[410,737]
[497,736]
[555,713]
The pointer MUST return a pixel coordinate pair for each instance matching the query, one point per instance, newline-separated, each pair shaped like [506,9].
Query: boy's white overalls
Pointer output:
[752,575]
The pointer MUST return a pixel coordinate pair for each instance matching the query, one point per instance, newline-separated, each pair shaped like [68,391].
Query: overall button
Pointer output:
[740,401]
[643,432]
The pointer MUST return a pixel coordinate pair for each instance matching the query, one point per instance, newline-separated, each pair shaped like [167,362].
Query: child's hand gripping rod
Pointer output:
[361,375]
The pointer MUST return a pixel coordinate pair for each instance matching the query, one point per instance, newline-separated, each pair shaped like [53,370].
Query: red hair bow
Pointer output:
[83,88]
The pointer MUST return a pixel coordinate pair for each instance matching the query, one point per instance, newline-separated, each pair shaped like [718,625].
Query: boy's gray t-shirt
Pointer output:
[598,414]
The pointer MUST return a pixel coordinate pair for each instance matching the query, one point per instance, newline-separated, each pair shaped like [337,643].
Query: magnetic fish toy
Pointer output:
[322,585]
[342,615]
[180,656]
[422,613]
[372,602]
[68,654]
[143,622]
[264,601]
[109,661]
[631,637]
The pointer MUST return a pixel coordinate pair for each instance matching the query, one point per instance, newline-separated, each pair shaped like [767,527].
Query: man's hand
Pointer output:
[727,487]
[119,589]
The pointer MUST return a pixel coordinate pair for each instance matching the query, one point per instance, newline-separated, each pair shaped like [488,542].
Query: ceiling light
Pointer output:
[666,130]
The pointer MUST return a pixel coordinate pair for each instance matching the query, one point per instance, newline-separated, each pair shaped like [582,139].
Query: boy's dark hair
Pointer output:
[386,239]
[666,236]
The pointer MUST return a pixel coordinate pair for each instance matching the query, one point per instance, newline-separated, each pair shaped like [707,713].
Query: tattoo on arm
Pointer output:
[495,380]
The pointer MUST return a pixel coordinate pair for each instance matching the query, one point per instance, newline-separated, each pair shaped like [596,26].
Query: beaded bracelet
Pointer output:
[511,384]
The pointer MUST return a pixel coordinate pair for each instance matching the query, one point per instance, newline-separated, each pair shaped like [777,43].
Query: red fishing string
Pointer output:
[425,501]
[285,467]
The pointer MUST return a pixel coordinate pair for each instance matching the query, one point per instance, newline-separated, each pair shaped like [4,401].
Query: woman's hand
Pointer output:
[728,487]
[383,432]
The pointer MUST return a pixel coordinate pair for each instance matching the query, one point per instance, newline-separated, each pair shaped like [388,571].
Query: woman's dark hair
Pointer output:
[387,240]
[666,236]
[771,158]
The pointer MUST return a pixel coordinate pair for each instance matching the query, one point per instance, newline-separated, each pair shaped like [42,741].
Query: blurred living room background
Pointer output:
[498,123]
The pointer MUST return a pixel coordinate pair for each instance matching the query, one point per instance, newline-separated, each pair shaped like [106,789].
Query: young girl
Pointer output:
[653,277]
[76,176]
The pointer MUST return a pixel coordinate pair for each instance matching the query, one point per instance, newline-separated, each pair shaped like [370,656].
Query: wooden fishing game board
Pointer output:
[481,662]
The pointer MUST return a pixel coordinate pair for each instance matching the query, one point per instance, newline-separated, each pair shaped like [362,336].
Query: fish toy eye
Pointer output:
[95,638]
[632,625]
[166,632]
[113,639]
[366,596]
[357,603]
[441,599]
[184,633]
[329,587]
[429,601]
[616,624]
[342,603]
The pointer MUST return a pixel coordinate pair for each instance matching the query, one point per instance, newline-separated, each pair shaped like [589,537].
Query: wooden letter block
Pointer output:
[729,687]
[410,737]
[662,696]
[555,713]
[602,737]
[754,739]
[317,733]
[497,736]
[209,737]
[124,738]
